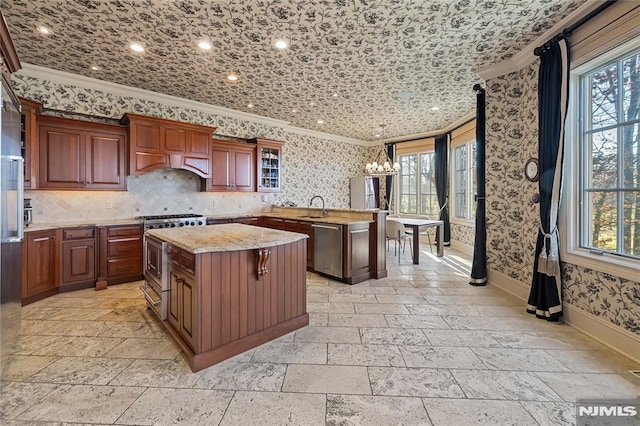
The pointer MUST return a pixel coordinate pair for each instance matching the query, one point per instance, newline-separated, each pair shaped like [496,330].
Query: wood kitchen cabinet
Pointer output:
[182,294]
[39,266]
[120,253]
[269,165]
[233,167]
[356,266]
[78,258]
[28,140]
[75,154]
[157,143]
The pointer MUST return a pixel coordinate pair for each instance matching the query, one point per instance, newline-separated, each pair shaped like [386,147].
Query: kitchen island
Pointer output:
[232,287]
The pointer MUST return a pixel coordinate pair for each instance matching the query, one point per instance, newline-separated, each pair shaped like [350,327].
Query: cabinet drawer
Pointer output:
[182,259]
[124,247]
[124,231]
[78,233]
[128,266]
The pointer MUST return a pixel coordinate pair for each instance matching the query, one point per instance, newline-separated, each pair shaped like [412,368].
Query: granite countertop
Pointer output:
[105,222]
[225,237]
[328,219]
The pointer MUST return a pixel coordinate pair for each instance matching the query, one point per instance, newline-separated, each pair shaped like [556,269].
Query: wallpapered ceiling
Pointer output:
[311,166]
[512,220]
[366,52]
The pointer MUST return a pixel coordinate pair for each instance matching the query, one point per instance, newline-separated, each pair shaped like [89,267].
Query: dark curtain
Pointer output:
[553,78]
[479,265]
[441,166]
[391,150]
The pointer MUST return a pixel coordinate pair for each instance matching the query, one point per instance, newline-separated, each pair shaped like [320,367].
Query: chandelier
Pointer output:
[382,166]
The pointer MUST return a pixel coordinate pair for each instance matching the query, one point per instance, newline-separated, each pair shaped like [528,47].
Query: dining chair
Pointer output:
[396,231]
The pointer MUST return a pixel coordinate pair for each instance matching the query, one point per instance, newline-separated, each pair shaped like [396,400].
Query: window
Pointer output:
[464,181]
[609,155]
[602,164]
[418,191]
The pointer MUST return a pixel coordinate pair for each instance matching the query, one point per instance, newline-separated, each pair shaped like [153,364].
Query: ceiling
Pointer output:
[361,63]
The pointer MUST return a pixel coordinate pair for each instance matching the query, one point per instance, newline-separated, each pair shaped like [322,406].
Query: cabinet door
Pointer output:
[173,314]
[243,167]
[78,261]
[186,294]
[40,262]
[221,173]
[105,160]
[62,157]
[269,165]
[199,143]
[272,222]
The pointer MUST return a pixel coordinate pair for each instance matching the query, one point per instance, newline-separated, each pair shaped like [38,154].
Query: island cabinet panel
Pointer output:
[227,307]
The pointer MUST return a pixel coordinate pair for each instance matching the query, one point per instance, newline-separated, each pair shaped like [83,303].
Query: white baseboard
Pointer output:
[599,329]
[461,247]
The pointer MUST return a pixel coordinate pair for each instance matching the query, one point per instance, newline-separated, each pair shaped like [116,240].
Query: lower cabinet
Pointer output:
[120,253]
[182,295]
[356,262]
[78,258]
[39,270]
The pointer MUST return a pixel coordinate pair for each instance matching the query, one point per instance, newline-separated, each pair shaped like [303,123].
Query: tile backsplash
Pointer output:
[167,191]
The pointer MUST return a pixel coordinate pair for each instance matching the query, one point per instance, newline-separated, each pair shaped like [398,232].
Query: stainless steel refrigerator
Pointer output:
[11,223]
[365,192]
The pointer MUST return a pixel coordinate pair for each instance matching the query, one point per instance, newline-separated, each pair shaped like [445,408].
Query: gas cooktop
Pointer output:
[168,216]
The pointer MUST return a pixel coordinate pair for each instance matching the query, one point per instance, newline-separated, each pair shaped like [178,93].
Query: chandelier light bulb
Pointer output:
[396,166]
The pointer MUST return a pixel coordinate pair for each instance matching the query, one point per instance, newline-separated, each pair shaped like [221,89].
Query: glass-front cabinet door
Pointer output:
[269,165]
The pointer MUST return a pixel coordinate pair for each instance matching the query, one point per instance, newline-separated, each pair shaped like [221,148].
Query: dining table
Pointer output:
[415,224]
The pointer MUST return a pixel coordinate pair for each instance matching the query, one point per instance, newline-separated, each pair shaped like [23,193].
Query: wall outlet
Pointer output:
[109,204]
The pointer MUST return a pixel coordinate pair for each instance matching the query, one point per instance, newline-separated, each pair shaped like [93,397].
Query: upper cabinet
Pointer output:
[77,154]
[233,167]
[156,143]
[269,165]
[28,141]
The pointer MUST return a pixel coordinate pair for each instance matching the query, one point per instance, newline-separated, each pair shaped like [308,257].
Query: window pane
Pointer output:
[631,87]
[604,93]
[604,162]
[631,223]
[603,220]
[428,198]
[408,188]
[631,156]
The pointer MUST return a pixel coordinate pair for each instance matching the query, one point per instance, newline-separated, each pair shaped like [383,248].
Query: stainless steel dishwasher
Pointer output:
[327,249]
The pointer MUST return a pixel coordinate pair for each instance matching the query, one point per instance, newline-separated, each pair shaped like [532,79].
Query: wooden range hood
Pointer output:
[157,143]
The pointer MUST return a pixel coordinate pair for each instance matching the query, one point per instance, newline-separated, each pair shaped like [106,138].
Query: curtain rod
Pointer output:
[567,31]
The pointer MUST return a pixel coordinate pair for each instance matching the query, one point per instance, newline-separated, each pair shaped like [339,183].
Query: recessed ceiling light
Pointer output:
[435,108]
[293,110]
[232,77]
[377,135]
[250,105]
[95,67]
[204,45]
[44,30]
[335,95]
[136,47]
[281,44]
[312,103]
[320,121]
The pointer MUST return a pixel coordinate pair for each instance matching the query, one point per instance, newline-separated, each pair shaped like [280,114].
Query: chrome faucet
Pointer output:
[324,211]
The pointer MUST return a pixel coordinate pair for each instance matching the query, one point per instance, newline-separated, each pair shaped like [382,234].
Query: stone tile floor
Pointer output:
[420,347]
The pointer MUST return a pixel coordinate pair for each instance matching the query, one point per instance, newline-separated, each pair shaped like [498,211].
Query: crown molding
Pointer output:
[61,77]
[526,56]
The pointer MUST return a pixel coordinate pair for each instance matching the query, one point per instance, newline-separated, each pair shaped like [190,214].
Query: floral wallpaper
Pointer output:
[464,234]
[512,219]
[353,64]
[311,166]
